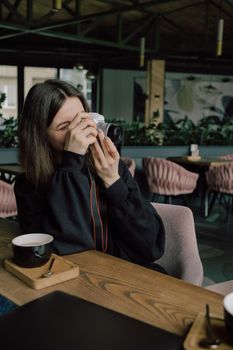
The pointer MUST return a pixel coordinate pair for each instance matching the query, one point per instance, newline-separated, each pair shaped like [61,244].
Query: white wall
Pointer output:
[118,93]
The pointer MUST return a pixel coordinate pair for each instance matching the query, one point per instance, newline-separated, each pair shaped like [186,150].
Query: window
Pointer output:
[34,75]
[78,79]
[8,85]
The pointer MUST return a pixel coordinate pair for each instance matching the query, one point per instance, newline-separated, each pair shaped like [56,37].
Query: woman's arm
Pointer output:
[138,227]
[61,209]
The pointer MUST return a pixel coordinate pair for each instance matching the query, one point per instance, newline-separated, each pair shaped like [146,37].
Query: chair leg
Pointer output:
[221,198]
[185,200]
[229,209]
[213,199]
[153,199]
[206,203]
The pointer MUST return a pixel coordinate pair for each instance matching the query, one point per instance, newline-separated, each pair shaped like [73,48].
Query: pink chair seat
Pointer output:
[181,258]
[168,178]
[7,200]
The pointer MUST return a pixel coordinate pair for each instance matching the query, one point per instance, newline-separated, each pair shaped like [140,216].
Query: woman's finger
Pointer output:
[99,152]
[108,146]
[89,131]
[79,119]
[81,134]
[104,142]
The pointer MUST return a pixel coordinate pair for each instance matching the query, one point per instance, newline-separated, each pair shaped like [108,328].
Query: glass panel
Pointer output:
[8,85]
[78,78]
[34,75]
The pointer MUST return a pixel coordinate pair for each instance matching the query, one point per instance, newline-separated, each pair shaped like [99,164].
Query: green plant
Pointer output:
[213,131]
[138,133]
[180,132]
[208,131]
[8,128]
[142,134]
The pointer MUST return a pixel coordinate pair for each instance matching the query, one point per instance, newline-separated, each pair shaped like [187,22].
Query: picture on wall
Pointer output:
[198,96]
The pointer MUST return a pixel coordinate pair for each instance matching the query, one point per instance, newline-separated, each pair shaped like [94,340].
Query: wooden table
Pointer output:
[9,172]
[202,163]
[128,288]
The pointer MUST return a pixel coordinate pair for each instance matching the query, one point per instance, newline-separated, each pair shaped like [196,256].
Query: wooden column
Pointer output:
[155,90]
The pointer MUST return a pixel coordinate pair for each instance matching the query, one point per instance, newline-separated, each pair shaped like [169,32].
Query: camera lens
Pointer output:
[115,133]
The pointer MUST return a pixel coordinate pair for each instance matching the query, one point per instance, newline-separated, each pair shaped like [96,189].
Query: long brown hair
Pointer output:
[40,107]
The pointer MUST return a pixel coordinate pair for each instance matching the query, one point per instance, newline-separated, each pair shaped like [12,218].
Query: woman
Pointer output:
[75,187]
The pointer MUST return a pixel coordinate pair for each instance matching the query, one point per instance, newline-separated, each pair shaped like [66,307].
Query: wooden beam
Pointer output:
[30,12]
[155,90]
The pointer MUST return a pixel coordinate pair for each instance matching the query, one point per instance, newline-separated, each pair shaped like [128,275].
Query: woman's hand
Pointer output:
[106,159]
[81,133]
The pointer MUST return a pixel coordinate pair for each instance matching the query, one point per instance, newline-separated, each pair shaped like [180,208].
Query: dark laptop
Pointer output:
[60,321]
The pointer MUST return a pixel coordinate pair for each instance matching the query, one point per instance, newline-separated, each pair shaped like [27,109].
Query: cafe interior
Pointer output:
[163,72]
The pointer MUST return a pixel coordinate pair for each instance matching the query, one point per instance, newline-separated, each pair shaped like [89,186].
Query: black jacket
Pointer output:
[132,231]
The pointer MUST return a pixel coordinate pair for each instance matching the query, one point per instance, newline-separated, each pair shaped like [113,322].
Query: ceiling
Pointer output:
[107,33]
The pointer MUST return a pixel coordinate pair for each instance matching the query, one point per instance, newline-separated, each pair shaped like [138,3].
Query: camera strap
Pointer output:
[99,222]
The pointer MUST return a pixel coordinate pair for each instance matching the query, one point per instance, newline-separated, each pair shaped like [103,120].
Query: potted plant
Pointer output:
[181,132]
[174,137]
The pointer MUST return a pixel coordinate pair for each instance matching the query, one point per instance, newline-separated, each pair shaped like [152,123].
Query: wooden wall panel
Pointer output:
[155,90]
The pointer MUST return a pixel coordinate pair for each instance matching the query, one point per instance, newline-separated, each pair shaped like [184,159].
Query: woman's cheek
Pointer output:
[61,141]
[58,142]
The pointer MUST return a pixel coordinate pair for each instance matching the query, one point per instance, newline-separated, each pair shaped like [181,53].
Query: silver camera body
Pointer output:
[114,132]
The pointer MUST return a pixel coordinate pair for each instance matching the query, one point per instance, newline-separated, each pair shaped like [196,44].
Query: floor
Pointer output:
[215,243]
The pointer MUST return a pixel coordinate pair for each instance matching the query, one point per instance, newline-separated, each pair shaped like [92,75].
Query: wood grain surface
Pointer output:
[119,285]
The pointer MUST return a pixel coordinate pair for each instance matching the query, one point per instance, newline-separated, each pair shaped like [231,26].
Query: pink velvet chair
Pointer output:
[219,180]
[181,257]
[131,164]
[7,200]
[167,178]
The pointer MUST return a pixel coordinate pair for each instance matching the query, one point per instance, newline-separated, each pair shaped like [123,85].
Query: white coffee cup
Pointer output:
[228,315]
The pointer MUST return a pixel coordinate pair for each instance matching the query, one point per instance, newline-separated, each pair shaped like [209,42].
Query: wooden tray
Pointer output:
[63,270]
[198,332]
